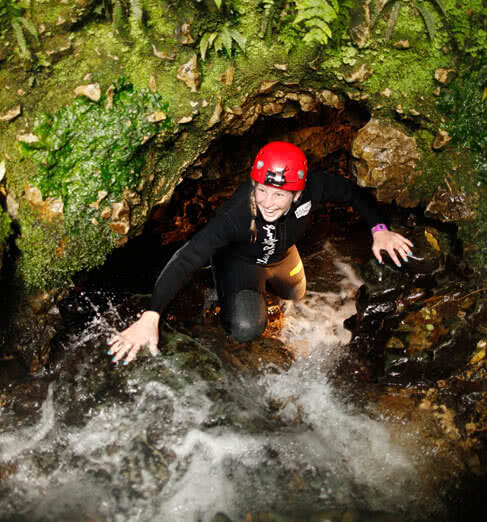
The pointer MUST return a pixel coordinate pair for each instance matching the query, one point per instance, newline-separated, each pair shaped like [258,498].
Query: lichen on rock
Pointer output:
[385,158]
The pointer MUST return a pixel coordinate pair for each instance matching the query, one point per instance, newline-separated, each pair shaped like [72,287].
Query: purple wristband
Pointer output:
[379,228]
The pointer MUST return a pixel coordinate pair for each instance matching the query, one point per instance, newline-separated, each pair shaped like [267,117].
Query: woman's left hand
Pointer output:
[393,243]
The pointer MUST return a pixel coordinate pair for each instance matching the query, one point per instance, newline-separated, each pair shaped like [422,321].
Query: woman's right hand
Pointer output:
[144,332]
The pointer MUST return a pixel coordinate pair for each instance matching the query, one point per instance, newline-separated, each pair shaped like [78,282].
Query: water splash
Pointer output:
[283,442]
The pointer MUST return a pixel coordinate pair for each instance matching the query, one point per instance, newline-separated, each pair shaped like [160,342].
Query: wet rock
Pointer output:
[120,215]
[34,327]
[227,77]
[189,74]
[444,75]
[91,91]
[144,470]
[396,330]
[157,116]
[452,207]
[307,102]
[12,206]
[27,138]
[51,208]
[11,114]
[272,108]
[360,24]
[360,75]
[183,33]
[441,140]
[385,158]
[217,113]
[330,98]
[185,119]
[102,194]
[58,47]
[268,86]
[402,44]
[162,55]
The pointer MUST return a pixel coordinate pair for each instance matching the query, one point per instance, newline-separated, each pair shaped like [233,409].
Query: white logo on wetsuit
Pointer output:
[269,244]
[303,210]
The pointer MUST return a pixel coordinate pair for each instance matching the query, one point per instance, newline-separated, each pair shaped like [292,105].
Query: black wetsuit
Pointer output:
[242,267]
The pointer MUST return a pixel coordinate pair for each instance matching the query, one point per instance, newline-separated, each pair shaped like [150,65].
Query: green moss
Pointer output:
[466,114]
[87,147]
[5,226]
[84,148]
[50,256]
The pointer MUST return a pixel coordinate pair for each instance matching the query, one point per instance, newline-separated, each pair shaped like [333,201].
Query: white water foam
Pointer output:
[286,441]
[16,443]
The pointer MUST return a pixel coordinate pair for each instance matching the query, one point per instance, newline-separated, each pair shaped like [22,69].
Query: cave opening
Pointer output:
[325,135]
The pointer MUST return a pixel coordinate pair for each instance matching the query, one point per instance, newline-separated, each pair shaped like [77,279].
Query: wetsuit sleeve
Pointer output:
[194,254]
[337,189]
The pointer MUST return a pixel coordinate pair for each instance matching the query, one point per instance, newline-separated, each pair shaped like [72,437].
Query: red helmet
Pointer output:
[281,165]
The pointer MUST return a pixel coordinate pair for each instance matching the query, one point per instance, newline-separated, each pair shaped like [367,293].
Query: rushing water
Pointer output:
[182,448]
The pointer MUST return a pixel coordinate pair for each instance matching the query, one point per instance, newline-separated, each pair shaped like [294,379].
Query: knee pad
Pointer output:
[248,315]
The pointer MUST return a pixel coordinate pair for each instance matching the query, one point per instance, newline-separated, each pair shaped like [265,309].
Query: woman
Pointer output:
[251,243]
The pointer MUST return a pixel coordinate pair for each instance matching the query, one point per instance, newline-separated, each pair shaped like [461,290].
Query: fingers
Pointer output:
[153,347]
[132,354]
[397,246]
[119,349]
[377,254]
[122,349]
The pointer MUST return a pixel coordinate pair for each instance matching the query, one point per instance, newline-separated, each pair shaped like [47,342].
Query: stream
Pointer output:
[162,440]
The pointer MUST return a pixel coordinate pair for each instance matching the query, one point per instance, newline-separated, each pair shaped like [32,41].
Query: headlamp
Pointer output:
[275,178]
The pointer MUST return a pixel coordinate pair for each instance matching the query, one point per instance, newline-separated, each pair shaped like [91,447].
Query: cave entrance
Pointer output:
[325,134]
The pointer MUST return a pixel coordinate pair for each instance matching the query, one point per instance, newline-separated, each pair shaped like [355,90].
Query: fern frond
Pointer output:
[316,15]
[227,40]
[316,35]
[19,35]
[442,7]
[29,26]
[320,25]
[429,21]
[239,38]
[206,42]
[218,43]
[117,15]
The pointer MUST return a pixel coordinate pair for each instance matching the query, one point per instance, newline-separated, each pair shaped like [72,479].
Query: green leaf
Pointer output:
[30,27]
[218,3]
[19,35]
[441,5]
[218,45]
[204,44]
[429,21]
[240,39]
[227,40]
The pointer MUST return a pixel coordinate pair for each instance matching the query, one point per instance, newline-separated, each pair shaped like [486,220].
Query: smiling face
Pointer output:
[273,202]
